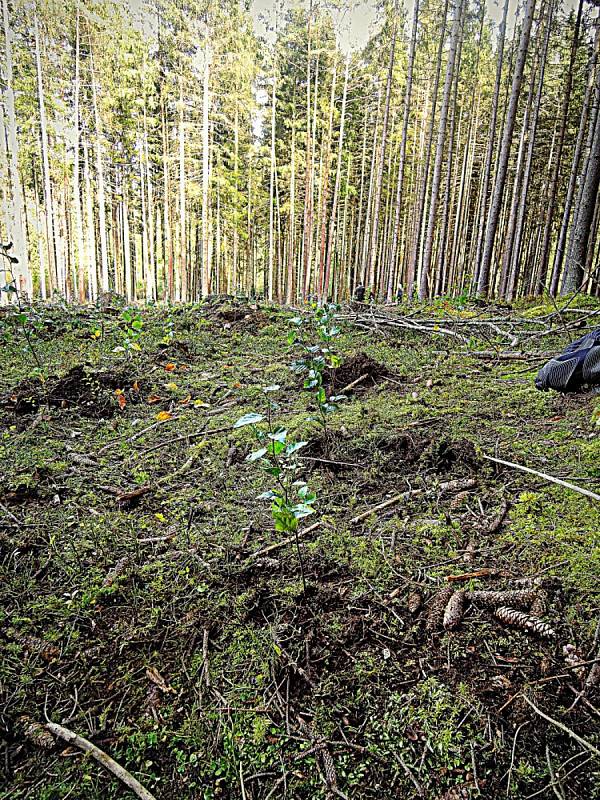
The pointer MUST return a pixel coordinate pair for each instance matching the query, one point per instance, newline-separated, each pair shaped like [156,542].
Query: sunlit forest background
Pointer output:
[170,149]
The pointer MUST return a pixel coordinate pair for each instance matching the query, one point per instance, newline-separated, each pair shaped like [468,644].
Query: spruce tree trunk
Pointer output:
[384,130]
[489,156]
[48,203]
[205,170]
[585,112]
[439,152]
[402,155]
[516,245]
[580,235]
[415,256]
[292,216]
[271,192]
[338,178]
[182,294]
[505,147]
[326,166]
[80,260]
[16,213]
[554,181]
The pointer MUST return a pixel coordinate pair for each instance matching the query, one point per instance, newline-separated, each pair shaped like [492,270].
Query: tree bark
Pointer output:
[402,155]
[439,152]
[574,274]
[554,181]
[505,147]
[17,213]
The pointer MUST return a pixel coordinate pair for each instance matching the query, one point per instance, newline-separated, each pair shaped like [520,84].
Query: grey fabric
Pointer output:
[577,367]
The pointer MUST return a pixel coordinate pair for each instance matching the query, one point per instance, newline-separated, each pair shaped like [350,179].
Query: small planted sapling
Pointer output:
[277,455]
[316,358]
[25,321]
[130,331]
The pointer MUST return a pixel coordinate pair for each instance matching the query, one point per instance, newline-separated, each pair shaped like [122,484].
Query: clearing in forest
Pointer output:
[431,632]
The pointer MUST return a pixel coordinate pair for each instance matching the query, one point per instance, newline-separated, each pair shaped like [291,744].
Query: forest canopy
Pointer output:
[167,150]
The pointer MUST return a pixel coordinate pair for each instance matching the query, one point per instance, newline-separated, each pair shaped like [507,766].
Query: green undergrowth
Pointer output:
[138,609]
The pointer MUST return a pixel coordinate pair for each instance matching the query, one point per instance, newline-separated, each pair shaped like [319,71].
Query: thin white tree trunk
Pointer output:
[205,169]
[48,203]
[17,211]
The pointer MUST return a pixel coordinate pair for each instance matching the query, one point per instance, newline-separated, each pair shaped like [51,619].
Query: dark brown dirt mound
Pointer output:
[450,455]
[359,366]
[89,393]
[243,318]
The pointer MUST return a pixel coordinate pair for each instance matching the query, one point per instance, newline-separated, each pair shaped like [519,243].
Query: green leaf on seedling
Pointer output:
[249,419]
[274,471]
[276,447]
[256,454]
[278,436]
[302,510]
[266,495]
[292,448]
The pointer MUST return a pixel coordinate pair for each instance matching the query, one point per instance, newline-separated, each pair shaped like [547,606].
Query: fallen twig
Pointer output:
[398,498]
[102,758]
[563,727]
[352,384]
[10,515]
[466,576]
[551,478]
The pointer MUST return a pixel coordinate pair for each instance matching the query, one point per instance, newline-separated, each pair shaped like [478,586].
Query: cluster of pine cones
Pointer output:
[519,608]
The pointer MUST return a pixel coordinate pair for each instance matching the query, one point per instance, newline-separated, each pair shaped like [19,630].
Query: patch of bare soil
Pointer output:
[243,318]
[88,393]
[358,367]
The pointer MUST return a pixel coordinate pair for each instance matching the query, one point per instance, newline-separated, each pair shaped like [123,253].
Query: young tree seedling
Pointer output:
[277,455]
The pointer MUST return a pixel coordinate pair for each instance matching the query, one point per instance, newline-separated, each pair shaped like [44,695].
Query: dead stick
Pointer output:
[398,498]
[353,384]
[102,758]
[465,576]
[551,478]
[563,728]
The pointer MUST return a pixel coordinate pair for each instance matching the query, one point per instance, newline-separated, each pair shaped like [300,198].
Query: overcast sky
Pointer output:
[358,25]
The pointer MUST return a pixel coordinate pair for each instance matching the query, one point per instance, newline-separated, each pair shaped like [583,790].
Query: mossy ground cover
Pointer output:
[137,610]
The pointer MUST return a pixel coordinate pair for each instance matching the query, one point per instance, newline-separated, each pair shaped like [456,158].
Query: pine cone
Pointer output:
[40,647]
[328,767]
[414,602]
[36,733]
[540,605]
[454,611]
[437,606]
[518,619]
[513,598]
[116,572]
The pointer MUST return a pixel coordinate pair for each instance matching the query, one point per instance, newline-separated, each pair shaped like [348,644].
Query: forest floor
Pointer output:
[139,609]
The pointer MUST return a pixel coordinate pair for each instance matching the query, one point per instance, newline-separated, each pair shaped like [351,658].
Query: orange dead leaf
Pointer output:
[122,401]
[163,415]
[237,385]
[135,386]
[186,400]
[170,367]
[153,398]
